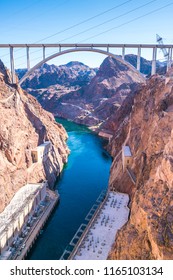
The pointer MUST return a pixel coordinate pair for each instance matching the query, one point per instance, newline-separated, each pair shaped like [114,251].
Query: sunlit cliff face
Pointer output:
[25,125]
[148,132]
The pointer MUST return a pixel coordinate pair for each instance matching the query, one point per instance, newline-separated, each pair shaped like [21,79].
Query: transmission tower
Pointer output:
[160,42]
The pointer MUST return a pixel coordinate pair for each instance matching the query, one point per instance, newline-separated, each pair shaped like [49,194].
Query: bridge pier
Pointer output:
[44,52]
[139,59]
[169,61]
[12,65]
[28,60]
[123,53]
[171,54]
[153,69]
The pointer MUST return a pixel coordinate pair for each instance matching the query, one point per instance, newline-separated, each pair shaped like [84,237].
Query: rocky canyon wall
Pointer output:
[146,127]
[23,126]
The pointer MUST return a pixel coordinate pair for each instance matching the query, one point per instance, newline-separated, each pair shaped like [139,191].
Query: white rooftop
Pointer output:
[41,146]
[126,151]
[100,237]
[19,199]
[44,144]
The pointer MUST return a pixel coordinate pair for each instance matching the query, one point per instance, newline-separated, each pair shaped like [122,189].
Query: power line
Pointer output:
[7,54]
[156,10]
[49,54]
[30,61]
[118,26]
[84,21]
[30,53]
[77,24]
[98,25]
[101,23]
[153,11]
[19,57]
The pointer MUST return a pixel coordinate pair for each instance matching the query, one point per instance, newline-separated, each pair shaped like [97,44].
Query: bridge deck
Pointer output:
[85,45]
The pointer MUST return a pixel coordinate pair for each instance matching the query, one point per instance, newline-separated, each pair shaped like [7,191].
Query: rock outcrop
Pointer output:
[23,126]
[93,104]
[72,74]
[147,129]
[82,94]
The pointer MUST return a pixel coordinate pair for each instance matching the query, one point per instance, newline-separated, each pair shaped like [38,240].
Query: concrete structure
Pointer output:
[126,157]
[106,135]
[40,153]
[51,200]
[68,48]
[18,215]
[99,235]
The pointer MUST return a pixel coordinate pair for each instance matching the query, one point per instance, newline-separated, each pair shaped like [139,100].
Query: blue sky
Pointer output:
[97,21]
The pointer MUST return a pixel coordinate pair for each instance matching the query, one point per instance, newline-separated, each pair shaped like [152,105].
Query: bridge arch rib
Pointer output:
[79,50]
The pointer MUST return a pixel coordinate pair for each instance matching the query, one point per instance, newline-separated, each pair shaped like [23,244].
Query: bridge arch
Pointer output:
[79,50]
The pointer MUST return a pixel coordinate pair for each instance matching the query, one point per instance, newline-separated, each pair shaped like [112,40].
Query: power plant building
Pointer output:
[18,214]
[40,153]
[126,156]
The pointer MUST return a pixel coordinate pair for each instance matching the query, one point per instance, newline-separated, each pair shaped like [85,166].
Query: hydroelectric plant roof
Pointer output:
[126,151]
[16,205]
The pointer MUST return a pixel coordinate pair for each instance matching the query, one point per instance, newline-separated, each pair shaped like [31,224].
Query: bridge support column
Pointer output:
[44,52]
[28,60]
[153,69]
[123,53]
[171,54]
[139,59]
[12,65]
[169,61]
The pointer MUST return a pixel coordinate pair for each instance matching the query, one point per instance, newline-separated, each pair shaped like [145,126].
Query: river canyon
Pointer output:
[132,111]
[84,177]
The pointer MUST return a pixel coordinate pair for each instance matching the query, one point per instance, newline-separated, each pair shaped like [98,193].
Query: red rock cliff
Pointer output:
[147,129]
[23,126]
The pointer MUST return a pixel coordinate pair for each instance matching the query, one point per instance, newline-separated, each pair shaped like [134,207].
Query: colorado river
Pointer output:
[82,180]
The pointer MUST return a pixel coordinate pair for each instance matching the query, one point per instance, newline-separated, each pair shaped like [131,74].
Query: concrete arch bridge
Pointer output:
[63,49]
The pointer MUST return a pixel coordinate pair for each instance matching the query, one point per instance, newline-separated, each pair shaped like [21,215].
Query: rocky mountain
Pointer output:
[94,103]
[73,74]
[67,90]
[24,125]
[146,127]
